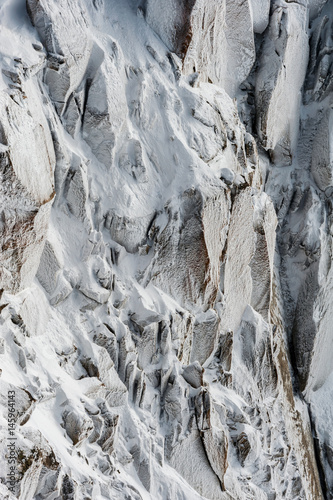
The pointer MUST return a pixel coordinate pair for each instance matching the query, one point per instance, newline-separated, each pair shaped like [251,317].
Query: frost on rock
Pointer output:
[214,39]
[165,264]
[27,188]
[105,108]
[62,28]
[279,81]
[260,14]
[249,257]
[195,236]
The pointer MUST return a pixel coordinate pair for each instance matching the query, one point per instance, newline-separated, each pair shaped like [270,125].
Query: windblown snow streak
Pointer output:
[165,267]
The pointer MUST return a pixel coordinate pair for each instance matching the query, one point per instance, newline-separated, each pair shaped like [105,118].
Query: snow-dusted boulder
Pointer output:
[319,82]
[130,232]
[222,43]
[193,374]
[213,436]
[252,342]
[77,424]
[189,458]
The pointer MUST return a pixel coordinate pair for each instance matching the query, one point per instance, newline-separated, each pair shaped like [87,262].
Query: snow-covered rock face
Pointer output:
[280,77]
[195,235]
[165,231]
[213,38]
[67,56]
[27,186]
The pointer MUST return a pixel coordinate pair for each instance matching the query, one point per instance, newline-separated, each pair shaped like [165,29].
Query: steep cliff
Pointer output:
[165,226]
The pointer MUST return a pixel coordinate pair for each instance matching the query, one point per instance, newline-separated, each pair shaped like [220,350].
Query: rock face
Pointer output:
[27,189]
[279,80]
[222,52]
[67,57]
[195,235]
[165,265]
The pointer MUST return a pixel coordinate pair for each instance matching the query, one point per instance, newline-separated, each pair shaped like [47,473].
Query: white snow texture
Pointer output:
[166,289]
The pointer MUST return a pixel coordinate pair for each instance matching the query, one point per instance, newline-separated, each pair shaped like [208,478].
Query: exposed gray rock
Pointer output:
[27,190]
[193,374]
[321,166]
[129,232]
[48,269]
[249,258]
[194,234]
[205,333]
[213,436]
[77,425]
[243,447]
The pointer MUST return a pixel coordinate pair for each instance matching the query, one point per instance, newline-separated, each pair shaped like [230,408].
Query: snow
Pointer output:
[158,184]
